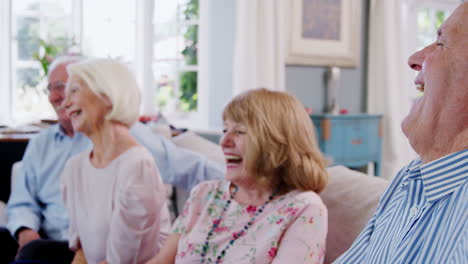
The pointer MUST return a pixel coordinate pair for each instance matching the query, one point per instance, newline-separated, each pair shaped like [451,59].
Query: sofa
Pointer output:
[350,196]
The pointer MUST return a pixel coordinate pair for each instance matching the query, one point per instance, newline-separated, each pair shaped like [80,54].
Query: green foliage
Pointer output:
[191,10]
[165,93]
[440,18]
[188,80]
[188,88]
[191,45]
[48,51]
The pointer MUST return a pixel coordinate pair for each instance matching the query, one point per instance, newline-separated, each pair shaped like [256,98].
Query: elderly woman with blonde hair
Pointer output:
[114,194]
[267,209]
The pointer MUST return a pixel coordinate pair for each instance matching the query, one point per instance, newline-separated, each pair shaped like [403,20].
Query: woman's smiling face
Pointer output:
[441,113]
[86,110]
[233,143]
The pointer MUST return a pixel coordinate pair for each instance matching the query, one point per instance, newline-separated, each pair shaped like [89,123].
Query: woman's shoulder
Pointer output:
[77,160]
[303,199]
[138,167]
[207,187]
[133,160]
[136,154]
[73,167]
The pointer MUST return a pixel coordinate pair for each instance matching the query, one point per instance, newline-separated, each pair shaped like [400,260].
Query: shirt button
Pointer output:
[413,211]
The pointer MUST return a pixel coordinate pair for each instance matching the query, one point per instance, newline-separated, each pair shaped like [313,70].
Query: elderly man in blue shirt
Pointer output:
[35,208]
[423,215]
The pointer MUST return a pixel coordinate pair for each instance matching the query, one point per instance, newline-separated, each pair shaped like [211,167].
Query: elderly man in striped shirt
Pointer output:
[423,215]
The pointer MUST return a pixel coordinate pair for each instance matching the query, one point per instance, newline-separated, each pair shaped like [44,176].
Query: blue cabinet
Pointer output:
[350,140]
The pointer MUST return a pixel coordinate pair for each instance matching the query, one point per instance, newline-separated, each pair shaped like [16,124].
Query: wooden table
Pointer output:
[12,147]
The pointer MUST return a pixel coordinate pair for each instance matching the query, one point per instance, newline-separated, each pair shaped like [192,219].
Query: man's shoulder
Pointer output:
[45,134]
[39,143]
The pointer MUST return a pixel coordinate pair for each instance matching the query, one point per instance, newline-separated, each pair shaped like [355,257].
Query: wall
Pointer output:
[306,83]
[222,28]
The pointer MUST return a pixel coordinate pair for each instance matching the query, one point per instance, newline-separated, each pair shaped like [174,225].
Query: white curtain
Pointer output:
[144,54]
[6,90]
[390,79]
[259,52]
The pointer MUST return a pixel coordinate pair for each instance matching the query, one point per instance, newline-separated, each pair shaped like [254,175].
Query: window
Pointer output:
[175,63]
[109,32]
[429,16]
[40,29]
[158,39]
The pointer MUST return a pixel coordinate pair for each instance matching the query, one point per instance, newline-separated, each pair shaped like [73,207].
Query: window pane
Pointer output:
[41,31]
[188,91]
[28,77]
[164,75]
[190,49]
[109,29]
[188,10]
[176,55]
[27,37]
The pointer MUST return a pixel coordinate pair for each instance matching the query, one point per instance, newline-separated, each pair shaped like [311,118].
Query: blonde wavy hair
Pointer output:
[281,145]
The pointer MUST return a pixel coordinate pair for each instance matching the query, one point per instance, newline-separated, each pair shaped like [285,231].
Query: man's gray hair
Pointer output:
[64,59]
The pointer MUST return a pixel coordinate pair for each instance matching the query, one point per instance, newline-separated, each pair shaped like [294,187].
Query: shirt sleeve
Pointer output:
[304,239]
[23,209]
[135,225]
[178,166]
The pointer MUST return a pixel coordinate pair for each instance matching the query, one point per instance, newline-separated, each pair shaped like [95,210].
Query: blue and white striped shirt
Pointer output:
[421,218]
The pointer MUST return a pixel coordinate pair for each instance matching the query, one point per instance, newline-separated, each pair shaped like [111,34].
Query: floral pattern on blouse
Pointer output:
[291,229]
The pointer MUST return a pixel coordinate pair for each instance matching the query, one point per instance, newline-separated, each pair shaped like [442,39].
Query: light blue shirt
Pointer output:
[36,202]
[422,217]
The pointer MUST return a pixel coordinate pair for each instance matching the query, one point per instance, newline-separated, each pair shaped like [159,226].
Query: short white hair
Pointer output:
[112,79]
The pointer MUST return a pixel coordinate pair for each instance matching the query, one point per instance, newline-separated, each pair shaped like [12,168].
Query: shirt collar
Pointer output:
[445,175]
[413,170]
[58,132]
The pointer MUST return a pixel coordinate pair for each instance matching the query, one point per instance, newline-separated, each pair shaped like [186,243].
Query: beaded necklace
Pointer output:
[236,235]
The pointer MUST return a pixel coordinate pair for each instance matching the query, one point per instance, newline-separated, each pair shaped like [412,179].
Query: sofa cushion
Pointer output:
[351,198]
[196,143]
[192,141]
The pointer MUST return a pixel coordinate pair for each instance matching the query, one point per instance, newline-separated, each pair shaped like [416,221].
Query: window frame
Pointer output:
[197,119]
[143,60]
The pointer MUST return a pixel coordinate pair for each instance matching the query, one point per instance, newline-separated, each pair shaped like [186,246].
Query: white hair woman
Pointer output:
[267,210]
[114,193]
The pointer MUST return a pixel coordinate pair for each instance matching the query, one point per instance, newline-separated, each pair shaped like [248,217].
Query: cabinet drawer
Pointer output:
[349,140]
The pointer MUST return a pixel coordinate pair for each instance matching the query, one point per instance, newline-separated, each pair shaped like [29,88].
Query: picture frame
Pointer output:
[325,33]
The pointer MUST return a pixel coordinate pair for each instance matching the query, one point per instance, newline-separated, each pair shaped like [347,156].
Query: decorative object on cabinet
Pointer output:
[332,85]
[325,33]
[350,140]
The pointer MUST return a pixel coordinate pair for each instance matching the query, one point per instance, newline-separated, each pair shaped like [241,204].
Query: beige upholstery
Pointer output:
[192,141]
[351,198]
[196,143]
[3,217]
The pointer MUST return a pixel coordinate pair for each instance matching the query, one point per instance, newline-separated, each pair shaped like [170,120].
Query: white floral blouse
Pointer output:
[291,229]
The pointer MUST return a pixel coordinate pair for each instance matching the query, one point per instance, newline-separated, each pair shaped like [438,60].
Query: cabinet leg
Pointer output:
[377,168]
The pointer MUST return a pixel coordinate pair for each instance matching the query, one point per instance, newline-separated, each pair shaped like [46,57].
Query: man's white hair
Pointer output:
[112,79]
[64,60]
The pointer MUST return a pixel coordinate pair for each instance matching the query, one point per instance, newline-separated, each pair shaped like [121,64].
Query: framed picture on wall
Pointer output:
[325,33]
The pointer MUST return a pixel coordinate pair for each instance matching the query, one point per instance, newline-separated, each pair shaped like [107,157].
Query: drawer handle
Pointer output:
[356,142]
